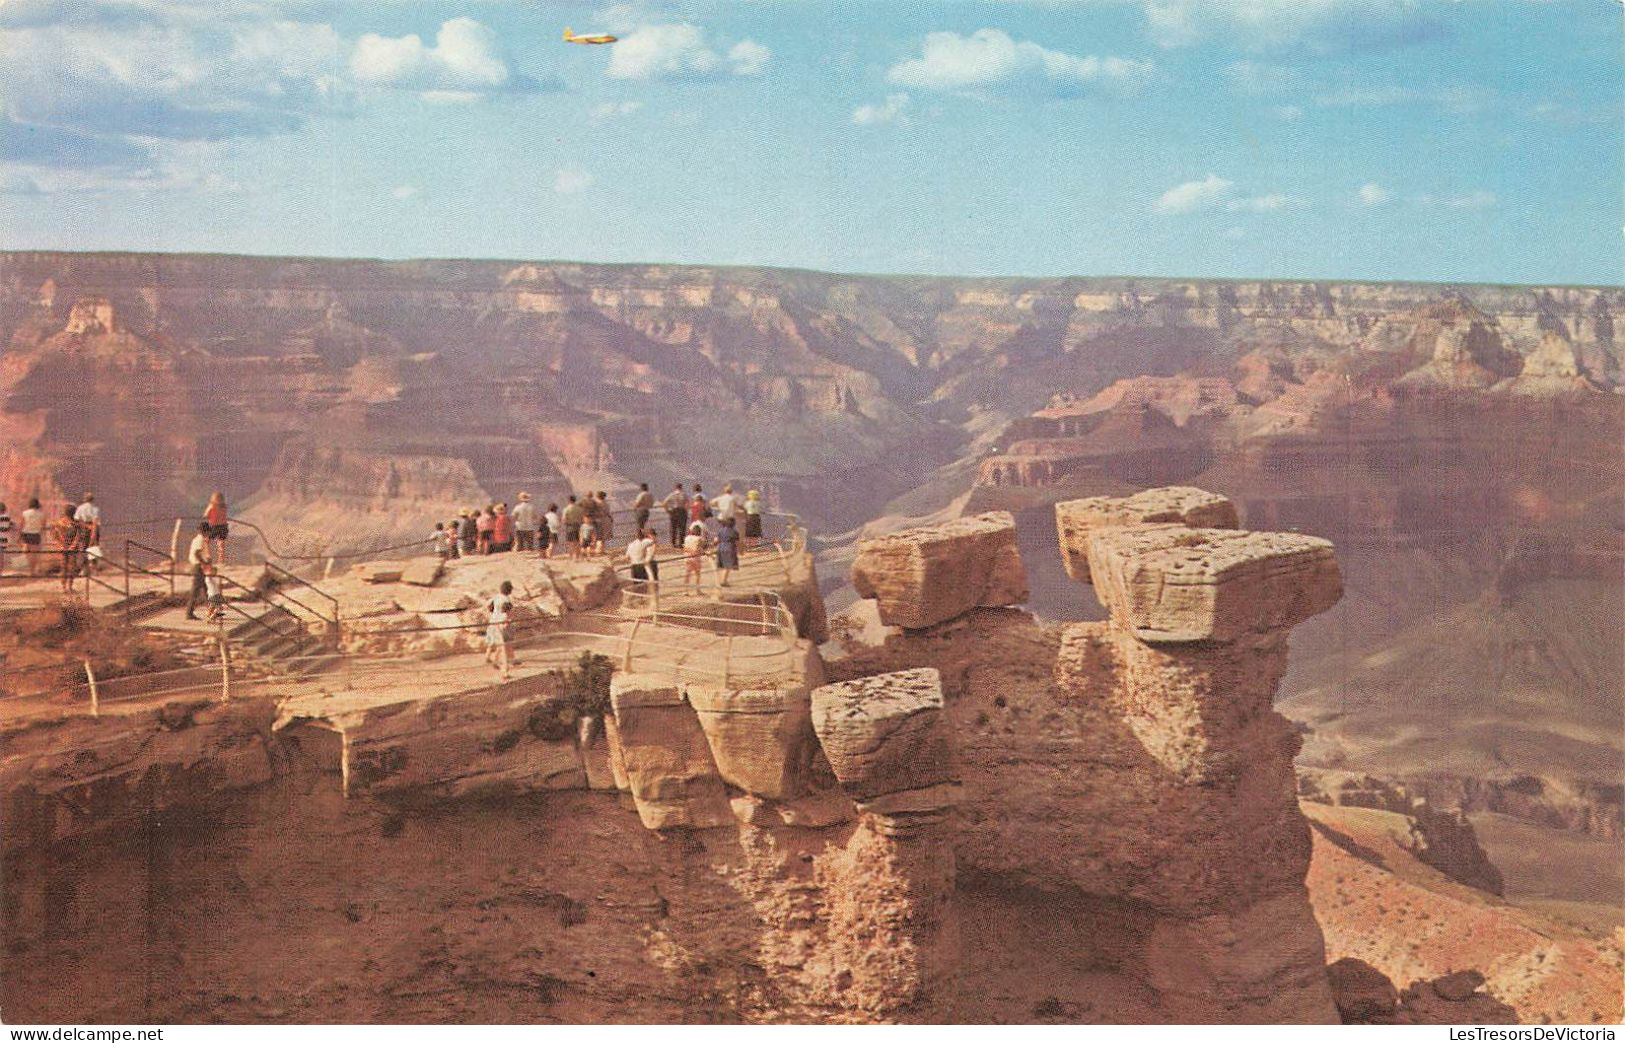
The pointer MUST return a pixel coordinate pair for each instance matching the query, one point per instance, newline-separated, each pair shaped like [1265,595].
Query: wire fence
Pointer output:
[761,618]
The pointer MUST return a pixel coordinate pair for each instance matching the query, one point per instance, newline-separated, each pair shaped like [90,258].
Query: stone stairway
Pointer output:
[291,651]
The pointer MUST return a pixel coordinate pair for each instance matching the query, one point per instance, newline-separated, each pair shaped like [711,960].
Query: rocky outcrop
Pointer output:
[931,574]
[1154,730]
[1182,505]
[668,763]
[760,738]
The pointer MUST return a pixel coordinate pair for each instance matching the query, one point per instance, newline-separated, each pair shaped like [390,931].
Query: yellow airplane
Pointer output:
[571,37]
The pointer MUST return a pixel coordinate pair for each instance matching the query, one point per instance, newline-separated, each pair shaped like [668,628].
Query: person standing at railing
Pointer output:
[496,629]
[501,529]
[525,517]
[89,517]
[641,552]
[442,542]
[753,520]
[548,534]
[468,531]
[726,505]
[5,536]
[641,506]
[727,552]
[216,518]
[198,557]
[575,516]
[676,504]
[33,534]
[482,529]
[603,520]
[694,554]
[70,541]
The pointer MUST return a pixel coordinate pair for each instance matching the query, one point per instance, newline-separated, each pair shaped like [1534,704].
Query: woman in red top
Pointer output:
[215,515]
[501,530]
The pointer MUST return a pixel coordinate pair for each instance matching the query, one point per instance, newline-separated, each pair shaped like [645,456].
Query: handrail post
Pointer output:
[95,695]
[626,662]
[225,663]
[727,660]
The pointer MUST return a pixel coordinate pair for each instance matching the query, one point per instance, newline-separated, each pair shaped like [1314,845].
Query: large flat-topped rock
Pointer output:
[1176,504]
[761,738]
[931,574]
[667,763]
[885,734]
[1169,583]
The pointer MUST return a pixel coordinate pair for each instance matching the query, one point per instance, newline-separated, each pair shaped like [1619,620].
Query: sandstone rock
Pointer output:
[817,810]
[617,758]
[422,572]
[430,601]
[1458,987]
[885,734]
[379,571]
[583,585]
[1182,505]
[1172,584]
[1363,994]
[593,743]
[933,573]
[668,763]
[761,739]
[914,801]
[753,811]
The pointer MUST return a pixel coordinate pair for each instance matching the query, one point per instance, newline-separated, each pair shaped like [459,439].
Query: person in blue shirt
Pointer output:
[727,552]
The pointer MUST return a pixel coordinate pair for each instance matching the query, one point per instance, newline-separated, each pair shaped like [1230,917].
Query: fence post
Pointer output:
[626,663]
[761,596]
[327,572]
[95,695]
[727,660]
[225,663]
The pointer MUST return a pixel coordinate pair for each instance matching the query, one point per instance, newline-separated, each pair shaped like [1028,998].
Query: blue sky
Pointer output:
[1448,140]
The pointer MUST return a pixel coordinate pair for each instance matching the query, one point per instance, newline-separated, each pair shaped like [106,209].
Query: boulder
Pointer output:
[668,763]
[1363,994]
[422,572]
[1458,987]
[379,571]
[1175,504]
[1171,584]
[885,734]
[760,738]
[931,574]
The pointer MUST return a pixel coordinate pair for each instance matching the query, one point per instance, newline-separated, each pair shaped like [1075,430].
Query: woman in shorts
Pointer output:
[693,554]
[215,515]
[496,629]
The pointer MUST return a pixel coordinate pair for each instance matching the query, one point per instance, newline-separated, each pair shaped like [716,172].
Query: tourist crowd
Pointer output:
[728,525]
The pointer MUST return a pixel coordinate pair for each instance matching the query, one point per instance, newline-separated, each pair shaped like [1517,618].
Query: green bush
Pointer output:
[584,692]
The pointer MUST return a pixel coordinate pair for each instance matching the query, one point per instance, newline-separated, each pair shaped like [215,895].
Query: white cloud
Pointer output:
[748,58]
[679,51]
[403,191]
[1216,193]
[1475,200]
[1372,194]
[1266,203]
[1289,113]
[609,110]
[889,111]
[1456,99]
[1313,25]
[464,59]
[571,180]
[1194,195]
[989,60]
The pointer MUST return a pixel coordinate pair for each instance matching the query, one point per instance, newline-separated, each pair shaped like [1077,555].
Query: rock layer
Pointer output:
[933,573]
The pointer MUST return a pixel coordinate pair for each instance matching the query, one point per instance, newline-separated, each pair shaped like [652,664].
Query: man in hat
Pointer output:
[525,519]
